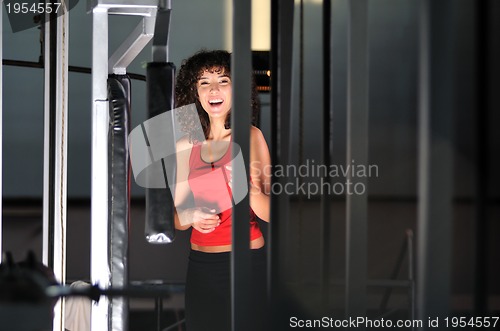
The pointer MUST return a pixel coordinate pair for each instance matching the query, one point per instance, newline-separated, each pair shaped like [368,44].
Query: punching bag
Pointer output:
[159,225]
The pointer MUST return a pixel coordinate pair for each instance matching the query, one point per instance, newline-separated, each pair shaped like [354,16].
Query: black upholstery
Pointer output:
[159,225]
[119,193]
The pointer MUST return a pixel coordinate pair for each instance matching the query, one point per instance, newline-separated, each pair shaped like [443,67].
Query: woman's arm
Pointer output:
[260,172]
[182,190]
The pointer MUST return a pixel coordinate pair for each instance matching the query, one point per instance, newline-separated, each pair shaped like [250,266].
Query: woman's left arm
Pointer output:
[260,173]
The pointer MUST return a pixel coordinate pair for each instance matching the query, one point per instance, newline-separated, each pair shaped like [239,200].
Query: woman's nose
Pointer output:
[214,87]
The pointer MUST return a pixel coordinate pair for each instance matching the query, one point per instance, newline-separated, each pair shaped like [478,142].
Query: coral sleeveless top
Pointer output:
[209,184]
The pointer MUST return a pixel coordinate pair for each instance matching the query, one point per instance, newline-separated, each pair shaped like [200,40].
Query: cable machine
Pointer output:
[113,269]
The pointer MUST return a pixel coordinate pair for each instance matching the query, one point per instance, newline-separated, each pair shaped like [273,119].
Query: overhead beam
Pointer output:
[124,7]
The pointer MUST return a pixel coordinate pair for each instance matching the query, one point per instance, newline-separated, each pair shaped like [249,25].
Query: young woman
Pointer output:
[205,80]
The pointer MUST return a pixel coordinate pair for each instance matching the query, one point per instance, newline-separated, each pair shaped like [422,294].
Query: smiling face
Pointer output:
[214,92]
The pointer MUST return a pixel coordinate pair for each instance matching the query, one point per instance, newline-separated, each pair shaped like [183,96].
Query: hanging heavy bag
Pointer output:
[159,224]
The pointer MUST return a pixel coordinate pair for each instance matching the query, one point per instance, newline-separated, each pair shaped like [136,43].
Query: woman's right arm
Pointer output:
[182,190]
[203,220]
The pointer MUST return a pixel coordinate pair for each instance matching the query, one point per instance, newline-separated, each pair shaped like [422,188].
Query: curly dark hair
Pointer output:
[186,90]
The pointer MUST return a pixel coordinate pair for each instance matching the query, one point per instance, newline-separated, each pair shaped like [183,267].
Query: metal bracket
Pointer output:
[132,46]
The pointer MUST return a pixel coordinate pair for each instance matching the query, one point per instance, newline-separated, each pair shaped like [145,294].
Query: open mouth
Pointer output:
[215,102]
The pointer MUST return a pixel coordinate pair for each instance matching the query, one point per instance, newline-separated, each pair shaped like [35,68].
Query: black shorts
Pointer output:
[208,290]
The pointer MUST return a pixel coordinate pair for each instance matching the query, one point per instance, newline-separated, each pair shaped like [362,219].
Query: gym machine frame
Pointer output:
[153,13]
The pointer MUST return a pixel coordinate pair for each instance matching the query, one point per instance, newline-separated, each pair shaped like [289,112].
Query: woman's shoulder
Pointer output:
[256,135]
[183,146]
[184,142]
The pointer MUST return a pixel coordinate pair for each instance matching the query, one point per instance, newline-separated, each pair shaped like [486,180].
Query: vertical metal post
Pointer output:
[357,152]
[282,12]
[1,132]
[161,35]
[482,95]
[55,149]
[326,153]
[411,274]
[99,268]
[434,224]
[241,75]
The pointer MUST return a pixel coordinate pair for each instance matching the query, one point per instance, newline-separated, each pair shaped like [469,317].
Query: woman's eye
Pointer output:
[203,83]
[224,81]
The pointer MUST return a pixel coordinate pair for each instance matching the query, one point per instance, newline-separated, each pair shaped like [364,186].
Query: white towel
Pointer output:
[77,310]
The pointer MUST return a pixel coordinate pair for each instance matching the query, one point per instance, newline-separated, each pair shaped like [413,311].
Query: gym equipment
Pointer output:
[22,293]
[119,193]
[102,65]
[159,225]
[29,288]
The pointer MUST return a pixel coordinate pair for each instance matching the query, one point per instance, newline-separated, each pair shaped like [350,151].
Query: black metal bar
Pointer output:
[357,150]
[94,292]
[161,34]
[159,311]
[411,275]
[389,283]
[83,70]
[296,246]
[482,170]
[395,273]
[175,325]
[435,168]
[326,152]
[282,12]
[53,23]
[241,62]
[377,282]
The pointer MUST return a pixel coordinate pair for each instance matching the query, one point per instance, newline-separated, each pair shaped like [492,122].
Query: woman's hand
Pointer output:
[203,219]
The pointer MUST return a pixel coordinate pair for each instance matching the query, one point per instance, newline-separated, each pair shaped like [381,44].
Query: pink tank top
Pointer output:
[209,184]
